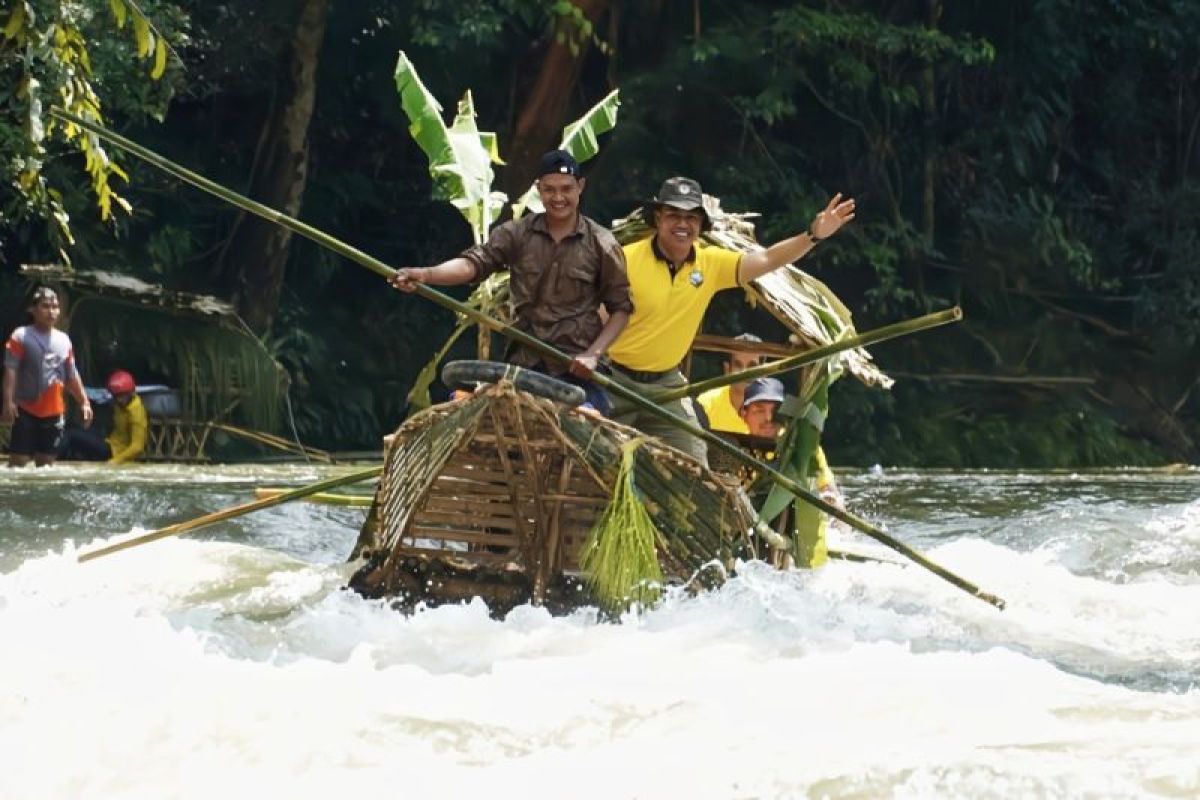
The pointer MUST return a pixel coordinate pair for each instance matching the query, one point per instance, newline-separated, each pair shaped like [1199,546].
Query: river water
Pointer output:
[229,662]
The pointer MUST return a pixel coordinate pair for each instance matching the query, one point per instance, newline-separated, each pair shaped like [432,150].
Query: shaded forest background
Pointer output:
[1033,161]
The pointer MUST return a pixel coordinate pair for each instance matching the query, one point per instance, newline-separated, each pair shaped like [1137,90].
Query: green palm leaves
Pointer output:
[581,140]
[460,156]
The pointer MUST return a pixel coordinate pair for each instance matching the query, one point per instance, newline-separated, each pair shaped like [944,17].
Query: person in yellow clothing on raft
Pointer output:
[723,405]
[761,398]
[738,409]
[672,279]
[127,440]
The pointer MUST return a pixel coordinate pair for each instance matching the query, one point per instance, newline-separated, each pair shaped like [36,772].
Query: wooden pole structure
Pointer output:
[228,513]
[616,388]
[816,354]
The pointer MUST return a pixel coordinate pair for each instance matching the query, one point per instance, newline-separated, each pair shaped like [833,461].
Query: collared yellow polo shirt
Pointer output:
[722,416]
[667,313]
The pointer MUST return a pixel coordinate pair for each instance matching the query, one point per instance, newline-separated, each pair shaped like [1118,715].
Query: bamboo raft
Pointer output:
[427,535]
[494,496]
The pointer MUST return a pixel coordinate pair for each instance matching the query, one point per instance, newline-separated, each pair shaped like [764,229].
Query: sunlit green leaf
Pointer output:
[581,140]
[160,59]
[118,12]
[459,162]
[141,32]
[16,21]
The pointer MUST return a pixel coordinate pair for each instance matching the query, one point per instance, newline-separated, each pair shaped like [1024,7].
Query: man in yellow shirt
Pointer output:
[672,279]
[723,405]
[761,399]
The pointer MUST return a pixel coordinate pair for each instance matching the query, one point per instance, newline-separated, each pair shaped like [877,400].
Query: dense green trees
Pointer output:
[69,54]
[1034,161]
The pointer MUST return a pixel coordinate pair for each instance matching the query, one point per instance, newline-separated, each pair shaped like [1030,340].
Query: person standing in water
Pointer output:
[39,362]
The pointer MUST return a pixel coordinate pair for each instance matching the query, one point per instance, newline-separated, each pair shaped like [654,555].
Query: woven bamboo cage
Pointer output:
[494,496]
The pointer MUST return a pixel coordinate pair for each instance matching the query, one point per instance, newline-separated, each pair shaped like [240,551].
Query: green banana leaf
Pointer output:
[487,297]
[581,140]
[797,459]
[418,395]
[460,156]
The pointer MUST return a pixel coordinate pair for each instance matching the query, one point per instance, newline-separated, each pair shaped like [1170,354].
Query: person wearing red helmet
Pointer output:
[130,425]
[128,437]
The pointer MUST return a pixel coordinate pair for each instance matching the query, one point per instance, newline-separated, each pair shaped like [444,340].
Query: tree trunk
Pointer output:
[929,131]
[543,112]
[258,250]
[929,144]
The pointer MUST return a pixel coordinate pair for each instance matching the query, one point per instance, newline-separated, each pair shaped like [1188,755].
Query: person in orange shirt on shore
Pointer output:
[39,362]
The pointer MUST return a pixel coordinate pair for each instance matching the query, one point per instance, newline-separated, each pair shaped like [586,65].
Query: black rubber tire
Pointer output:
[463,374]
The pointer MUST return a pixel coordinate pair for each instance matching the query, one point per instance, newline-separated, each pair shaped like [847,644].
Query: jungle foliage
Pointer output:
[1034,161]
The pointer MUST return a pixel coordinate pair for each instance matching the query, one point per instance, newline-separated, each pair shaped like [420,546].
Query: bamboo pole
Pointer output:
[816,354]
[323,498]
[379,268]
[271,440]
[228,513]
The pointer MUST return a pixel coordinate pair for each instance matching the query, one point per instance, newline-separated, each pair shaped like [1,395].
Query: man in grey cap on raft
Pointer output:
[672,279]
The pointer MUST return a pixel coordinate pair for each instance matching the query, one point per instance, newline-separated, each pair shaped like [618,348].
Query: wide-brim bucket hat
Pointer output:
[682,193]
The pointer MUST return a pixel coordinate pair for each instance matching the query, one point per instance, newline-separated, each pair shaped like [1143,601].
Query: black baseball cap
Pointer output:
[763,390]
[558,162]
[682,193]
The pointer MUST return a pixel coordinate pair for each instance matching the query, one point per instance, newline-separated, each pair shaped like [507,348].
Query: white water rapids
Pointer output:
[230,663]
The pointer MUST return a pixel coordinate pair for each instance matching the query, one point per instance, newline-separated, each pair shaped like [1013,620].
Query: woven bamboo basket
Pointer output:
[494,496]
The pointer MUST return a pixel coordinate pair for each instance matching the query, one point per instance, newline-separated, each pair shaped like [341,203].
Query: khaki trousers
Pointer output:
[629,414]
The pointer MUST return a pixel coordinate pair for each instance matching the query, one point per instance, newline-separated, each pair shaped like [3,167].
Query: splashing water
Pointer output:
[231,661]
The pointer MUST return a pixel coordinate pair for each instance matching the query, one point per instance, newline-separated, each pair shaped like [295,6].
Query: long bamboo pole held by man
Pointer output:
[379,268]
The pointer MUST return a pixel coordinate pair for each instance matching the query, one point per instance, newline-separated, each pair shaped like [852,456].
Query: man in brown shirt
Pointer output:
[562,267]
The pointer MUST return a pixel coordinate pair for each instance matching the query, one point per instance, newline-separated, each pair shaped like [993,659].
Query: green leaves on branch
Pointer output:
[573,29]
[581,140]
[872,33]
[45,45]
[460,156]
[149,40]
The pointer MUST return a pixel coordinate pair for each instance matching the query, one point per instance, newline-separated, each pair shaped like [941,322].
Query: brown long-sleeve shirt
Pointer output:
[556,287]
